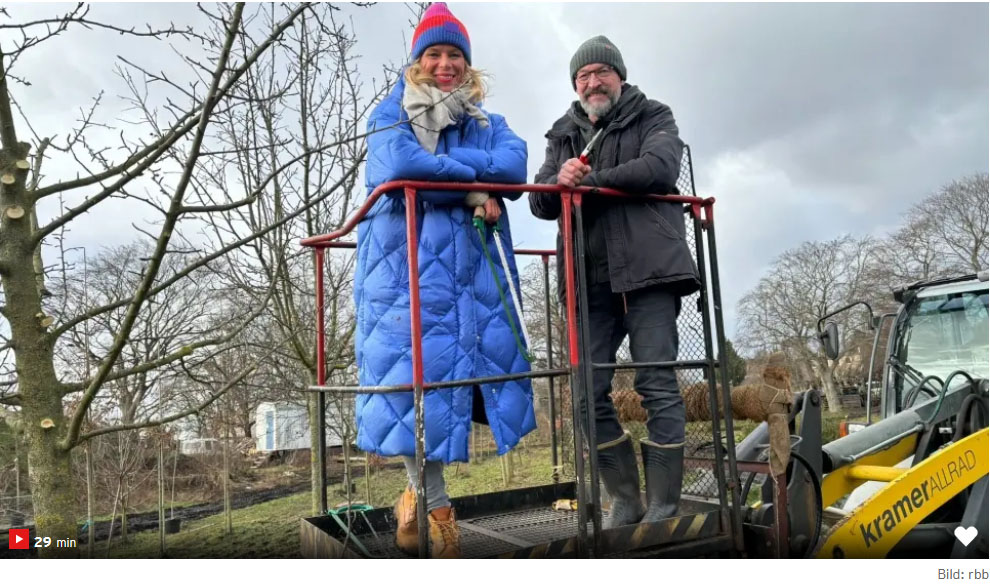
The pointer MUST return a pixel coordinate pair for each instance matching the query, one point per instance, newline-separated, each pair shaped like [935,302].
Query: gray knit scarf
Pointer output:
[431,110]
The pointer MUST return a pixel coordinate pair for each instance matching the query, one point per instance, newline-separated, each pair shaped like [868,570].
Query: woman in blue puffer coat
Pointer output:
[466,332]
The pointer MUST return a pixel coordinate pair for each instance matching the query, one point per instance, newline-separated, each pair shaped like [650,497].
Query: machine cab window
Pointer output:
[943,329]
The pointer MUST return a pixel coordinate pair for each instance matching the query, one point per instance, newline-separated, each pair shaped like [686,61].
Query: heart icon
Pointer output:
[965,535]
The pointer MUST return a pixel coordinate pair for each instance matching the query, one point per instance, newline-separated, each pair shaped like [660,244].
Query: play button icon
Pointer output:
[19,539]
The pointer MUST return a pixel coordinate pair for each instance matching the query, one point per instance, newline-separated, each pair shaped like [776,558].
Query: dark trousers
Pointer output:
[649,317]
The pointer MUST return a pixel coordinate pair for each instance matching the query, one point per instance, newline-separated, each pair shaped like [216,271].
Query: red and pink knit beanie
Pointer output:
[440,27]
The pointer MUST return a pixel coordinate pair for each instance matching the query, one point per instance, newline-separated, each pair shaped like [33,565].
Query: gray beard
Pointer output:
[599,111]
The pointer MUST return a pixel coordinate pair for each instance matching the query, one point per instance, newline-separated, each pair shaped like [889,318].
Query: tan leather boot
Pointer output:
[407,530]
[445,538]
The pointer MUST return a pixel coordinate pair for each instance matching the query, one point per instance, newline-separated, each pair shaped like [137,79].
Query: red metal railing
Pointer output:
[324,240]
[571,198]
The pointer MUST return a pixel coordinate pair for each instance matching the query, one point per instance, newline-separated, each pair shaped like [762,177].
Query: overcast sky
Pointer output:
[806,121]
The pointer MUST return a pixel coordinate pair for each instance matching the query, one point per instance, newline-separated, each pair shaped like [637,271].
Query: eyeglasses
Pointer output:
[601,73]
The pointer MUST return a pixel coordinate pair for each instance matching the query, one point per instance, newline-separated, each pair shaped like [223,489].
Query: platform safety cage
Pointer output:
[710,463]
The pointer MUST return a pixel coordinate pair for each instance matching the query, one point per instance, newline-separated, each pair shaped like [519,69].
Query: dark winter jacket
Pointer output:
[640,153]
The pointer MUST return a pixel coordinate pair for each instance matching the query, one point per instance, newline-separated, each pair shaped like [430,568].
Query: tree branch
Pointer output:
[211,257]
[166,232]
[219,207]
[179,355]
[8,133]
[153,423]
[150,153]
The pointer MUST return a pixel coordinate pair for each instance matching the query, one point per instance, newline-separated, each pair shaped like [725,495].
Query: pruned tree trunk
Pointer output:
[50,472]
[52,490]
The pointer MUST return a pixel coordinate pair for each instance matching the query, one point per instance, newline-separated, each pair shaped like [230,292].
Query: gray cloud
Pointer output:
[806,120]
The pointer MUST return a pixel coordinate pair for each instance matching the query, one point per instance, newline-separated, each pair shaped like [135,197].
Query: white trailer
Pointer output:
[284,426]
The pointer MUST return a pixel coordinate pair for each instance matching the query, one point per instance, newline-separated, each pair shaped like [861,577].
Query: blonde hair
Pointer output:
[474,80]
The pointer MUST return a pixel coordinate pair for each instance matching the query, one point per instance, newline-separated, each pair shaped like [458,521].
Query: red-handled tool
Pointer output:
[587,149]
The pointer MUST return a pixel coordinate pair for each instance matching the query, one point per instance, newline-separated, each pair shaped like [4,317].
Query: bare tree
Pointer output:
[945,234]
[165,148]
[12,480]
[536,310]
[175,318]
[120,470]
[314,120]
[803,285]
[534,300]
[912,252]
[269,382]
[957,219]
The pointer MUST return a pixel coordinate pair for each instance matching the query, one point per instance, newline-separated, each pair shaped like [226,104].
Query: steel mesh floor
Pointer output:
[496,534]
[492,535]
[473,545]
[533,526]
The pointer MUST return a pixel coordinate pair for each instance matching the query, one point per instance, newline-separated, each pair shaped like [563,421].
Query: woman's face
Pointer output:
[446,64]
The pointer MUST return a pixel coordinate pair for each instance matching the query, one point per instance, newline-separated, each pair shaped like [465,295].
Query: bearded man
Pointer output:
[638,266]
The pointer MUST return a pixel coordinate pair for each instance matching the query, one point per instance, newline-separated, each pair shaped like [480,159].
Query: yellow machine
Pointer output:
[914,483]
[909,497]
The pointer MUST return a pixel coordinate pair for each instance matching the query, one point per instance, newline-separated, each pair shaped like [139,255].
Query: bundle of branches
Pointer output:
[749,401]
[627,406]
[755,402]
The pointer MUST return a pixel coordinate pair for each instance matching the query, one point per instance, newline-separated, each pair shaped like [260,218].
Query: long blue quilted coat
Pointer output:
[466,332]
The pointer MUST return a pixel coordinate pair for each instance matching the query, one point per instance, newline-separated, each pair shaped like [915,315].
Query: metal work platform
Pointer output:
[523,523]
[520,523]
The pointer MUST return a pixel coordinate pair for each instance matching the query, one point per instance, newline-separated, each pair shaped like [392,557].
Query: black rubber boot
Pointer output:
[620,474]
[664,469]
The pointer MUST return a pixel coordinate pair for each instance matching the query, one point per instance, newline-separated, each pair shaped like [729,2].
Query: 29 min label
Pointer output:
[46,541]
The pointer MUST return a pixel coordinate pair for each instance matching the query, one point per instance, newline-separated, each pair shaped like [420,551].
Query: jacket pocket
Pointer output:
[666,228]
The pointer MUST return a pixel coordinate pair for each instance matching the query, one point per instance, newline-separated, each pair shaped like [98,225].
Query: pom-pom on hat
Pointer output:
[440,27]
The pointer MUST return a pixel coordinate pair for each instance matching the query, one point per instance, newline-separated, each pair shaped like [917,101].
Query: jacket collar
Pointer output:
[631,104]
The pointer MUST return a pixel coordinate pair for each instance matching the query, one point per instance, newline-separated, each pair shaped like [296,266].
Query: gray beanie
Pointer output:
[597,50]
